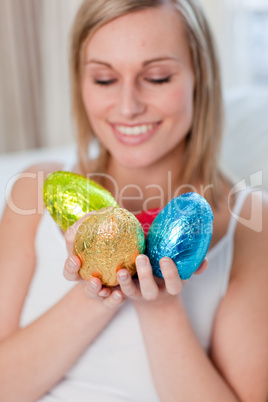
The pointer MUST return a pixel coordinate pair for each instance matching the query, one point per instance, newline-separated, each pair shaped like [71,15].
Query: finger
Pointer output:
[202,267]
[171,276]
[71,268]
[71,232]
[104,292]
[126,283]
[114,300]
[93,287]
[148,287]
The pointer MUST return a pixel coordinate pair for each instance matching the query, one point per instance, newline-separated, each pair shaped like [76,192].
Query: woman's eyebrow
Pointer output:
[98,62]
[145,63]
[164,58]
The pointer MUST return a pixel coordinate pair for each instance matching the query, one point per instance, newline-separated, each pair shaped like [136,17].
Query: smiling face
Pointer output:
[138,85]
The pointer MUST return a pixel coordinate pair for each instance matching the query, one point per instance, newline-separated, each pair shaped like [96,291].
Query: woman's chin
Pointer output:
[138,162]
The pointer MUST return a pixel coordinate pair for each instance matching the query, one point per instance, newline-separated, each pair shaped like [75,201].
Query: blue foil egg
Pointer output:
[181,231]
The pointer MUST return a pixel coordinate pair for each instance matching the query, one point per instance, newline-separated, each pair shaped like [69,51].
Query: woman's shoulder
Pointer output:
[28,185]
[35,173]
[244,215]
[44,167]
[24,204]
[251,251]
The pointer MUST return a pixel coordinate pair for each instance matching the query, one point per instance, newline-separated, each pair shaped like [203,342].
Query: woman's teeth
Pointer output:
[136,130]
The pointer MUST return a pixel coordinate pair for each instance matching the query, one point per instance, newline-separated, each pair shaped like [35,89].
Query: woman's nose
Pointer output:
[129,101]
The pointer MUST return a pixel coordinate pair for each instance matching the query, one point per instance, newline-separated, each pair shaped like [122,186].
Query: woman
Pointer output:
[146,83]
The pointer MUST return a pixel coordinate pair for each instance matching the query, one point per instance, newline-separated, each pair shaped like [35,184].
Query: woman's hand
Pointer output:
[111,297]
[149,288]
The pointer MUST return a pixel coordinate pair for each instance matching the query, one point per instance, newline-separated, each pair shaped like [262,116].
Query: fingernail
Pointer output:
[103,293]
[142,262]
[116,295]
[123,276]
[93,285]
[165,263]
[72,263]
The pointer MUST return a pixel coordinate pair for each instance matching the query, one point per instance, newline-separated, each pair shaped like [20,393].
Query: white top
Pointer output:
[118,370]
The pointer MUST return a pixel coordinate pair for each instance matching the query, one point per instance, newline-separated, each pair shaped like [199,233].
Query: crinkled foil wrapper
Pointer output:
[181,231]
[107,241]
[69,196]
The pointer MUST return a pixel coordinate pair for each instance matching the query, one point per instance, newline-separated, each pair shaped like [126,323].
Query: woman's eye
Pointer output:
[151,80]
[159,80]
[104,82]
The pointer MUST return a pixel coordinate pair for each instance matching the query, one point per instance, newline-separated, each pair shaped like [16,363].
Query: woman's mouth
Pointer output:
[136,130]
[134,134]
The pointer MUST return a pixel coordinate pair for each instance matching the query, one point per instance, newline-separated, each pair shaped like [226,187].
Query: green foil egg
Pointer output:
[69,196]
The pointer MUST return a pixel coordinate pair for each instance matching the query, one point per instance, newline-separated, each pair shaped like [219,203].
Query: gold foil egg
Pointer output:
[107,241]
[69,196]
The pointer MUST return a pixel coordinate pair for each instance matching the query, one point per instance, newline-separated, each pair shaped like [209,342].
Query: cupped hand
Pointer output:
[149,288]
[110,297]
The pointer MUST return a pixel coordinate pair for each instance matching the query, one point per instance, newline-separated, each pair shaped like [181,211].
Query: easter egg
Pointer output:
[108,240]
[181,231]
[69,196]
[146,218]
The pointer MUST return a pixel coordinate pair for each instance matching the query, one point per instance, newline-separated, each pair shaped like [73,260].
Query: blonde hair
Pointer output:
[203,140]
